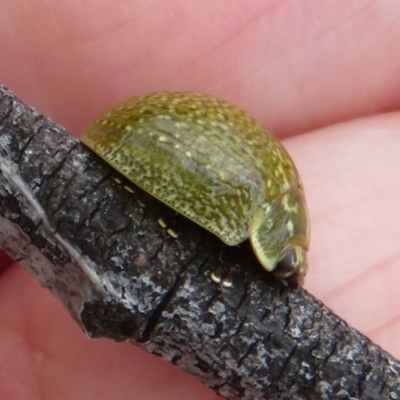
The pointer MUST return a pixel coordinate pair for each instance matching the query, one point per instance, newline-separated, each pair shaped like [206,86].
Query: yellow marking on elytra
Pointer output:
[294,208]
[267,262]
[290,226]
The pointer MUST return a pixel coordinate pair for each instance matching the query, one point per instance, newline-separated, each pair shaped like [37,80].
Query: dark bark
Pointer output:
[100,250]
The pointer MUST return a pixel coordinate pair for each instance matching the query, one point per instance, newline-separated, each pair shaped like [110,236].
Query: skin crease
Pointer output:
[302,68]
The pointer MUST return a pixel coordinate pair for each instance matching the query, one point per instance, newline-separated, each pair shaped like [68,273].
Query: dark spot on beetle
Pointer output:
[287,264]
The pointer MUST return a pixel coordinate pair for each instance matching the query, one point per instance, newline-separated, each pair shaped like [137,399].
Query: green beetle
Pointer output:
[213,163]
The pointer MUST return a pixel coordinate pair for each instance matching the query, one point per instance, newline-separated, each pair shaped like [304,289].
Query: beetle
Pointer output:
[216,165]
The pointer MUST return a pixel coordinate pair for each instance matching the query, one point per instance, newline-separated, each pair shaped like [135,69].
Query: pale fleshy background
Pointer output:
[309,71]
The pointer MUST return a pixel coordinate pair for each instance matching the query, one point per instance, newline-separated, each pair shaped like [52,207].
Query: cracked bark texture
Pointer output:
[100,250]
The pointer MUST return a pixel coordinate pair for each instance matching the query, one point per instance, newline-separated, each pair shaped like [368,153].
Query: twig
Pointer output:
[101,251]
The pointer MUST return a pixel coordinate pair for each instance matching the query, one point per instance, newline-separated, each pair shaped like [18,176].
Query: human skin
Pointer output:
[317,74]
